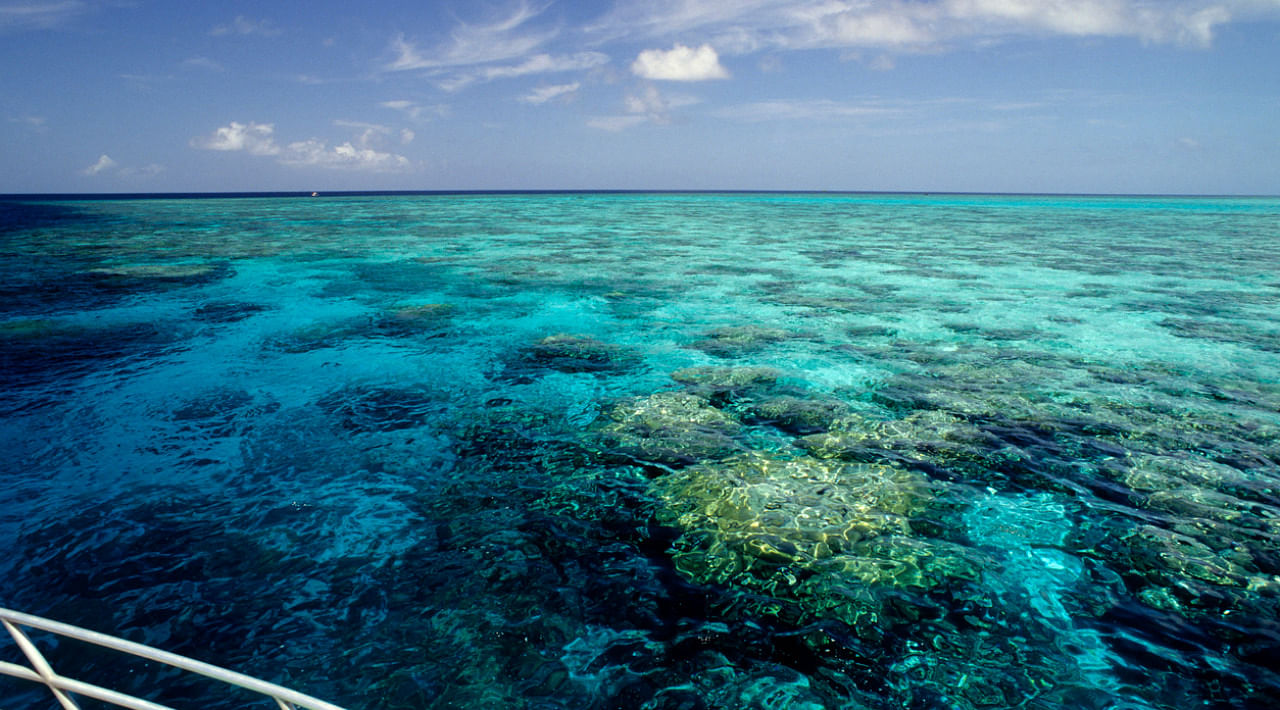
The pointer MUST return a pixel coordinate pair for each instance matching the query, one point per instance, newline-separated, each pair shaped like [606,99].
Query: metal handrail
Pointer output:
[62,686]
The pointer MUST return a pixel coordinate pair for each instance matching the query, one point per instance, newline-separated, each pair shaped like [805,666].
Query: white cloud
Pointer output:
[39,15]
[104,163]
[258,139]
[406,136]
[244,27]
[253,138]
[680,63]
[543,94]
[345,156]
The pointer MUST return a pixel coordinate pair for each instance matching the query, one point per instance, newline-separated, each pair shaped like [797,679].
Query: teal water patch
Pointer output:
[690,451]
[1037,574]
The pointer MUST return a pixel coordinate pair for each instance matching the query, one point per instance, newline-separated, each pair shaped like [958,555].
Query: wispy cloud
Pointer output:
[509,47]
[470,44]
[201,63]
[904,25]
[810,110]
[543,94]
[146,81]
[649,105]
[545,64]
[666,18]
[246,27]
[680,63]
[35,123]
[142,171]
[259,139]
[104,162]
[536,64]
[615,123]
[416,111]
[39,15]
[368,133]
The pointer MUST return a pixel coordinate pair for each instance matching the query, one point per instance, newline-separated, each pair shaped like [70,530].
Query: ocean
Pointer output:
[637,450]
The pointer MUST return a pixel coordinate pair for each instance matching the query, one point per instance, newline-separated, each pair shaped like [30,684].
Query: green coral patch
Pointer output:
[835,537]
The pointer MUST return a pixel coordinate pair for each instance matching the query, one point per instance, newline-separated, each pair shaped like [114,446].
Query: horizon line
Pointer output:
[578,191]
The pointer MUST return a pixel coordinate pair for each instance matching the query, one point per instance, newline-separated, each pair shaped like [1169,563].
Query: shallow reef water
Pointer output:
[596,451]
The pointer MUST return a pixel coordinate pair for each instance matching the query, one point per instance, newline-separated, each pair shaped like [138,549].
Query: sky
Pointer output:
[1075,96]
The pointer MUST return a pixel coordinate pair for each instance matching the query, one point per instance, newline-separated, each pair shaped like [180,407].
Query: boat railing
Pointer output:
[65,688]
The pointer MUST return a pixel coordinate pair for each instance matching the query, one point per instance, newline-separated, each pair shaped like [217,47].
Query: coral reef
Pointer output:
[568,353]
[835,537]
[667,428]
[737,341]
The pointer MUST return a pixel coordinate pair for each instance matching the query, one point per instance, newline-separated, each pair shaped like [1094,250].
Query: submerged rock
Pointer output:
[36,351]
[734,387]
[1164,556]
[871,331]
[1154,472]
[412,323]
[513,438]
[1240,332]
[570,354]
[668,428]
[227,311]
[220,411]
[320,335]
[414,320]
[926,435]
[725,380]
[736,341]
[370,409]
[834,537]
[801,415]
[423,312]
[156,275]
[30,329]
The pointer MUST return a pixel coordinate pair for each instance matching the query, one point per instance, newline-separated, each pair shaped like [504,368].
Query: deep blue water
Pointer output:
[651,450]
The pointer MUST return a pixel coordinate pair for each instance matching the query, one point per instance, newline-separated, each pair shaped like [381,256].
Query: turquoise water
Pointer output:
[652,451]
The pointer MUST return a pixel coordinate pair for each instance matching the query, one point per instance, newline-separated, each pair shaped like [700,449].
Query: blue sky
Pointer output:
[1145,96]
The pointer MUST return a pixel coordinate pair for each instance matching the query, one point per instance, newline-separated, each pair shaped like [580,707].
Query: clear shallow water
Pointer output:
[653,451]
